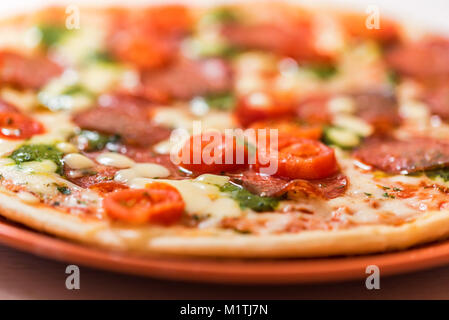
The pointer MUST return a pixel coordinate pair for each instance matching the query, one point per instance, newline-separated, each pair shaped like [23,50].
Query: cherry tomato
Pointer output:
[288,131]
[14,125]
[145,50]
[304,159]
[213,152]
[355,25]
[260,106]
[158,203]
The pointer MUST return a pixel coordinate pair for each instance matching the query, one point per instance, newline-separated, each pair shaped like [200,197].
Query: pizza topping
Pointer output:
[198,77]
[212,152]
[14,125]
[259,106]
[270,186]
[141,170]
[38,152]
[115,160]
[158,203]
[428,58]
[355,25]
[26,72]
[91,176]
[437,98]
[303,159]
[249,200]
[294,39]
[397,156]
[78,161]
[89,141]
[126,116]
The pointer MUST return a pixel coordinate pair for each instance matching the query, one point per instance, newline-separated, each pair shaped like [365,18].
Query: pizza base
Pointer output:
[150,240]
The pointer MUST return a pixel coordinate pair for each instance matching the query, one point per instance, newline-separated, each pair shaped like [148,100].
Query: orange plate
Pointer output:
[224,270]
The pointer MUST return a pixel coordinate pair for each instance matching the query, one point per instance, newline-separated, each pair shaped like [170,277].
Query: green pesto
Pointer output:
[38,152]
[248,200]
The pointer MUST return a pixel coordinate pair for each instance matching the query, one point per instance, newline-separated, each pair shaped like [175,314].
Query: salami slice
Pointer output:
[26,72]
[127,116]
[197,78]
[397,156]
[423,59]
[263,185]
[295,41]
[437,99]
[378,109]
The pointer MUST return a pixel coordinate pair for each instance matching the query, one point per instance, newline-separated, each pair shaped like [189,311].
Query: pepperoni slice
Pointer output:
[185,78]
[26,72]
[96,176]
[124,115]
[378,109]
[437,98]
[295,40]
[428,58]
[397,156]
[264,185]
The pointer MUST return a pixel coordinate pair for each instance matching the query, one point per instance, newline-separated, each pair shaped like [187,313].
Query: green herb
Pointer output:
[387,195]
[368,194]
[95,141]
[101,57]
[221,15]
[438,173]
[76,89]
[392,77]
[51,34]
[397,189]
[248,200]
[38,152]
[323,71]
[64,190]
[220,101]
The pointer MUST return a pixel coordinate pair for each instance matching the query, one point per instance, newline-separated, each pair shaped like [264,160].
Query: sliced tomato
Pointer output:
[145,50]
[169,19]
[14,125]
[356,26]
[304,159]
[260,106]
[213,152]
[158,203]
[288,131]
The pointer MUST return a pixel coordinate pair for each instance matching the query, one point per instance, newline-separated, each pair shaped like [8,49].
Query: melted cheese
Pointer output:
[141,170]
[115,160]
[78,161]
[200,198]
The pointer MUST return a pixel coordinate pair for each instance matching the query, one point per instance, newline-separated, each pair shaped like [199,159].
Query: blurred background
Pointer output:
[431,13]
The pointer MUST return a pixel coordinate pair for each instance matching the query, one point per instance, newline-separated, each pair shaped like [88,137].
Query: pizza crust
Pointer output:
[150,240]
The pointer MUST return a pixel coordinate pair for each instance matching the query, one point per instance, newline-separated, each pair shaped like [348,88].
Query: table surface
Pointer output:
[24,276]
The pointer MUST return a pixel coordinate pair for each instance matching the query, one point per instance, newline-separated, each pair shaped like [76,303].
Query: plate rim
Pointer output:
[224,270]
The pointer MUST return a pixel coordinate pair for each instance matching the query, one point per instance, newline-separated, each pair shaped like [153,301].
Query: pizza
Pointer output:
[226,131]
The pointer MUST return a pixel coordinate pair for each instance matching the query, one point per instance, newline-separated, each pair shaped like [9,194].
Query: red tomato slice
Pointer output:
[146,51]
[213,152]
[288,132]
[14,125]
[355,25]
[158,203]
[260,106]
[304,159]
